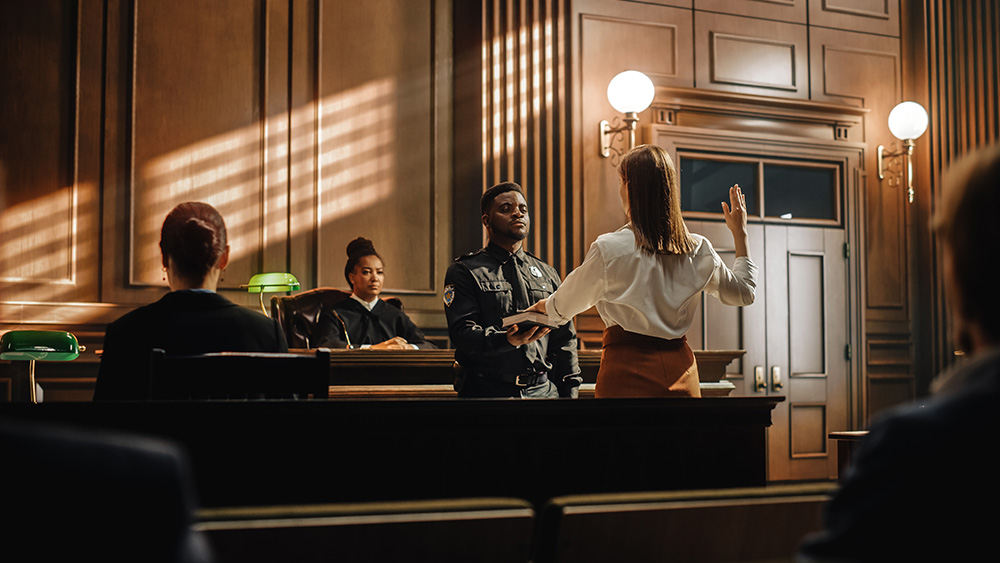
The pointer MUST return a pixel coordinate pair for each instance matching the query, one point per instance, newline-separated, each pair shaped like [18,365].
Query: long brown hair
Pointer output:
[654,201]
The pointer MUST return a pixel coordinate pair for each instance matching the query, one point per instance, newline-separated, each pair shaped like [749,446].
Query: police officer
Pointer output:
[501,279]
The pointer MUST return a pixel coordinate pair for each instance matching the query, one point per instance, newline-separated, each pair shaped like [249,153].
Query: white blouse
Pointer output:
[646,293]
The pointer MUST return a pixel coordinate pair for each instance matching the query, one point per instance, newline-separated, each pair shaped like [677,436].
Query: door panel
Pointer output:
[794,334]
[806,338]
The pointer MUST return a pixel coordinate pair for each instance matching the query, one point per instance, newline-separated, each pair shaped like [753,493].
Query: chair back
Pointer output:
[299,314]
[445,530]
[751,524]
[239,376]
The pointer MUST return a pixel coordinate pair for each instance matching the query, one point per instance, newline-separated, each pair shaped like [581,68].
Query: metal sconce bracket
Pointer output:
[609,135]
[906,153]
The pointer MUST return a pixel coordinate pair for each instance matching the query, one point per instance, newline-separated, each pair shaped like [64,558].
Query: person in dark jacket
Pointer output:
[192,318]
[364,320]
[483,287]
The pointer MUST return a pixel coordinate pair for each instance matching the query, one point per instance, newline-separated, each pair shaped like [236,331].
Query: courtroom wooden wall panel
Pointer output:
[960,46]
[196,130]
[375,143]
[793,11]
[865,70]
[751,56]
[870,16]
[524,114]
[49,150]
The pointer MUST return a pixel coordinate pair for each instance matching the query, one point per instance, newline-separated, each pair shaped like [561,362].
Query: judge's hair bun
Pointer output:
[360,247]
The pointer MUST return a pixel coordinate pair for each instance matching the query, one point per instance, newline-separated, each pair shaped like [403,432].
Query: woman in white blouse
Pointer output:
[645,279]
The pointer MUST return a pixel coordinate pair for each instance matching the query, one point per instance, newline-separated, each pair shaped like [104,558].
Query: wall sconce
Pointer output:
[907,121]
[271,282]
[629,92]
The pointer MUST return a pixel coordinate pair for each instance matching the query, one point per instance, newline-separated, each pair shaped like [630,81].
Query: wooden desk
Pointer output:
[361,374]
[430,373]
[310,452]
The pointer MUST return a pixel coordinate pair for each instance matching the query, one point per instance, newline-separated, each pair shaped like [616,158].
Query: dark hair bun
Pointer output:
[196,245]
[360,247]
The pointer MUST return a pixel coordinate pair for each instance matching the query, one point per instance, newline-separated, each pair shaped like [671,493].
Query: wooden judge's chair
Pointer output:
[299,314]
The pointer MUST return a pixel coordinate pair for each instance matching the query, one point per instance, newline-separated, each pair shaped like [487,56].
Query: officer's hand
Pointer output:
[517,337]
[397,343]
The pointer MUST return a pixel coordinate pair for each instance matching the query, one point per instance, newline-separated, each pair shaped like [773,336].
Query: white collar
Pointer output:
[368,305]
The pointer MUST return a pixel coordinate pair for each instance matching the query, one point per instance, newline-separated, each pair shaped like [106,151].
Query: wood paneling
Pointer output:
[49,150]
[738,54]
[871,16]
[375,139]
[957,54]
[806,315]
[782,10]
[197,129]
[525,119]
[865,70]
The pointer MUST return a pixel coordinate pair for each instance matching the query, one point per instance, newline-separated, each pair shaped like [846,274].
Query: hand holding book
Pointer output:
[527,319]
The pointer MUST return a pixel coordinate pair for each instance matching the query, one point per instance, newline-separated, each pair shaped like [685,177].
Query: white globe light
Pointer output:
[908,120]
[631,91]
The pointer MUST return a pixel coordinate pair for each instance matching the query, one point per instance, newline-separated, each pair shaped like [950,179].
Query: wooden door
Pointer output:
[807,337]
[795,336]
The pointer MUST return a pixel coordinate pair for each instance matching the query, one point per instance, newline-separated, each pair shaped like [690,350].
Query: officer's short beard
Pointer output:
[508,233]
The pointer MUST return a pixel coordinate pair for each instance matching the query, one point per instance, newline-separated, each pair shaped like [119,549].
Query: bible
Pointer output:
[527,319]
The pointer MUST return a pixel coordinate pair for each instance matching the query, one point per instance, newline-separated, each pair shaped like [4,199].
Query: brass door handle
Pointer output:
[759,385]
[775,377]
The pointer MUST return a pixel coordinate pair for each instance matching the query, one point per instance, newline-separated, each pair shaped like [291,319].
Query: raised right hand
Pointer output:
[736,212]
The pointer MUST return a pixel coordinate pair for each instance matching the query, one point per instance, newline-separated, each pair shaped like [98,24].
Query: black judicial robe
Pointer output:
[383,322]
[182,322]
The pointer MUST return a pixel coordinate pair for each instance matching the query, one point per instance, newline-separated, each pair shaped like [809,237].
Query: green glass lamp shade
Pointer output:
[45,345]
[272,282]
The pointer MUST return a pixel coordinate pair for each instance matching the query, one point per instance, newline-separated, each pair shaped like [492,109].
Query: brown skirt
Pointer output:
[636,365]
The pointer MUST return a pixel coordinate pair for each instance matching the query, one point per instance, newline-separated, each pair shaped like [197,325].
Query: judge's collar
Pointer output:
[366,304]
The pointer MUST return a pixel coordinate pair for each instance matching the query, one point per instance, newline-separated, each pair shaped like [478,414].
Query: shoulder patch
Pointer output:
[449,294]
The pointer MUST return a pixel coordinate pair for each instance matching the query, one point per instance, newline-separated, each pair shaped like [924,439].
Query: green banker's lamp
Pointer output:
[271,282]
[41,345]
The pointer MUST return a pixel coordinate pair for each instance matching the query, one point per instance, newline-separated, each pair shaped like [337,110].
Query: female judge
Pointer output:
[363,320]
[192,318]
[645,279]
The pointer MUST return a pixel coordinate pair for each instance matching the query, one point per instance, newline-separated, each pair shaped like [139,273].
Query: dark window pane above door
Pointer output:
[800,192]
[705,184]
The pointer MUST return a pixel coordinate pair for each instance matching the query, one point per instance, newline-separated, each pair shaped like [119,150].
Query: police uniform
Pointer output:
[481,288]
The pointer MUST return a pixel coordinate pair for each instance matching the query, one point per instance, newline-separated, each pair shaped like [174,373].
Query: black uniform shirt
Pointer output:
[480,289]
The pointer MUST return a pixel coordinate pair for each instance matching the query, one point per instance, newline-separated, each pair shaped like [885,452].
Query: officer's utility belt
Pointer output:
[522,380]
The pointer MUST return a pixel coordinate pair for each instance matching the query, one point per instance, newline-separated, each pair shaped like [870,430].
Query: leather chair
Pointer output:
[299,314]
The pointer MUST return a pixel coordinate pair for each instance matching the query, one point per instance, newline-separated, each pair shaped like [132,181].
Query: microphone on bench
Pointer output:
[344,326]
